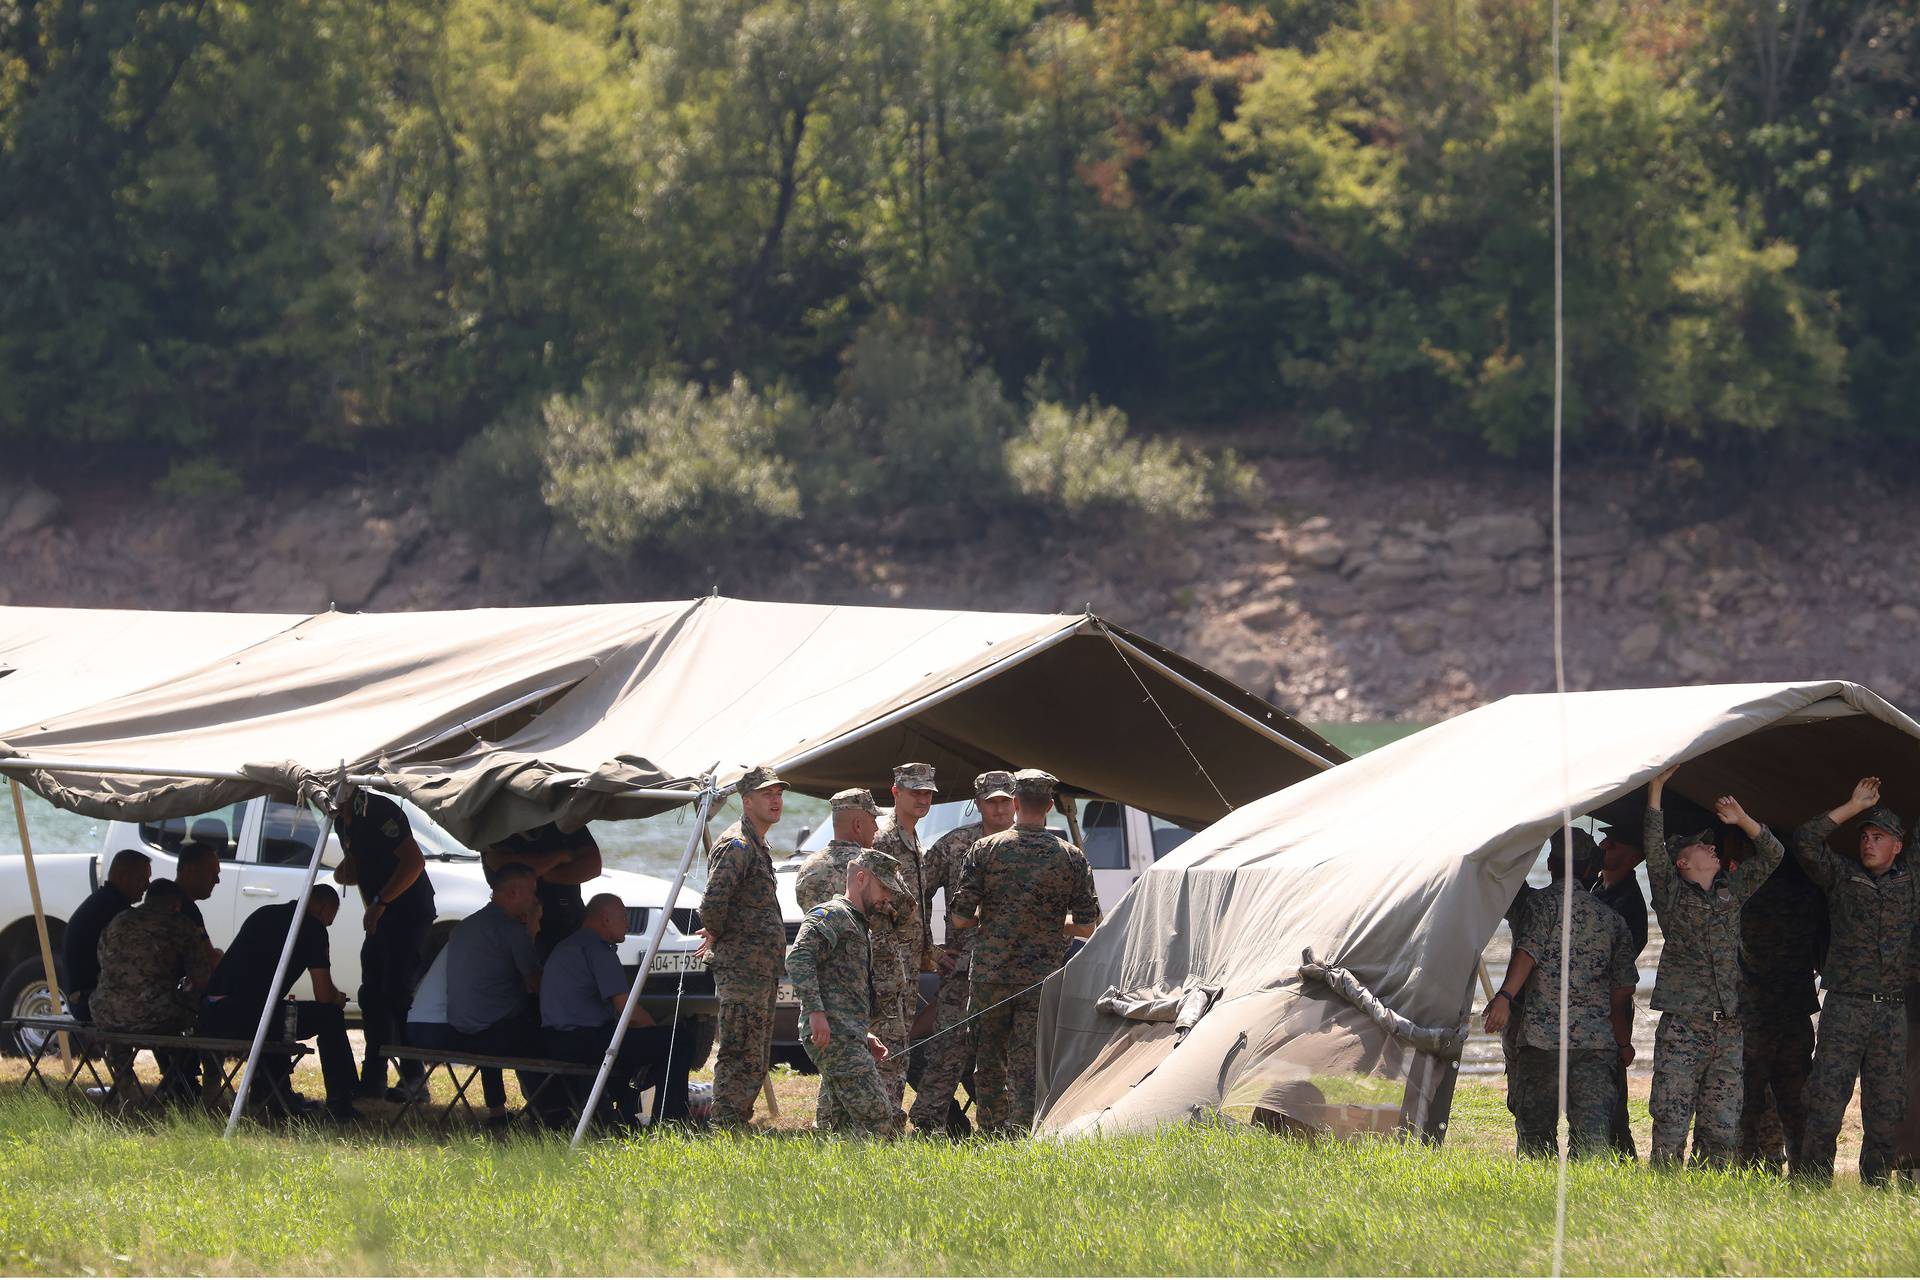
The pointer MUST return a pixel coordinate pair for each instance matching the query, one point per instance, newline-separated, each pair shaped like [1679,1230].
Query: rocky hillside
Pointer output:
[1356,593]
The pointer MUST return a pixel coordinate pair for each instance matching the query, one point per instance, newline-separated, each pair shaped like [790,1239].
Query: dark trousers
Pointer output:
[665,1055]
[514,1037]
[390,965]
[325,1024]
[1619,1130]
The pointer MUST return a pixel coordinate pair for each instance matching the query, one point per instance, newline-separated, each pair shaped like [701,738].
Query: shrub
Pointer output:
[196,479]
[671,466]
[491,488]
[1080,464]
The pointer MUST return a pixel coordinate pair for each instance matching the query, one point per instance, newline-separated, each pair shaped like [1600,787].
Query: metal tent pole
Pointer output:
[1265,730]
[286,956]
[654,934]
[40,918]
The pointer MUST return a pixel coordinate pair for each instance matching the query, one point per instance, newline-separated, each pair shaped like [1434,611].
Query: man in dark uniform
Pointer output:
[385,862]
[1783,943]
[127,879]
[561,861]
[1617,885]
[242,988]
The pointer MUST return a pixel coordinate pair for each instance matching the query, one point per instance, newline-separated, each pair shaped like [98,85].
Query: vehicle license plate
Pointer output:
[679,962]
[786,995]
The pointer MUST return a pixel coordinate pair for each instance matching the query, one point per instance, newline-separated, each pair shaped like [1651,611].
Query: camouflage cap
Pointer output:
[914,777]
[884,867]
[1706,835]
[854,798]
[1034,782]
[994,782]
[1886,819]
[759,778]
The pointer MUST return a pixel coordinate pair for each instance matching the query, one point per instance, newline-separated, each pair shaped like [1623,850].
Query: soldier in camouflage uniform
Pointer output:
[1601,979]
[1019,888]
[833,980]
[1783,940]
[824,872]
[747,937]
[1871,908]
[1614,883]
[900,950]
[1697,1051]
[947,1055]
[153,965]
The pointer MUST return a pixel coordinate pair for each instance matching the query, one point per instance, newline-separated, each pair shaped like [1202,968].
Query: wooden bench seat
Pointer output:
[221,1061]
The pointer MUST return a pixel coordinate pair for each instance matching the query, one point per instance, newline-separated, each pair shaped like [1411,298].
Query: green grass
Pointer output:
[89,1195]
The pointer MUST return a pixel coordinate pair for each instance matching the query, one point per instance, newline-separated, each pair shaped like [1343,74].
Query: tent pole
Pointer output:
[280,970]
[40,919]
[1269,731]
[13,763]
[654,934]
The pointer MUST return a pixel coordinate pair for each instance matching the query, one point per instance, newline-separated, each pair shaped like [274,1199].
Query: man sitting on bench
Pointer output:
[152,966]
[127,879]
[242,987]
[492,974]
[582,991]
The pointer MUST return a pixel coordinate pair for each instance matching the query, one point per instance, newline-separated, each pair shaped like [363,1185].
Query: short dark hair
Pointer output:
[512,871]
[325,894]
[192,853]
[127,860]
[164,890]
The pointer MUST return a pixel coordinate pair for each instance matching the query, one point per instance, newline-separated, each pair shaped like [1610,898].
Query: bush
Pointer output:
[492,487]
[914,419]
[1080,464]
[196,479]
[670,467]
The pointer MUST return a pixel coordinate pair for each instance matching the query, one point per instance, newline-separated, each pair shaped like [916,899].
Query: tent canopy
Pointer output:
[499,719]
[1397,867]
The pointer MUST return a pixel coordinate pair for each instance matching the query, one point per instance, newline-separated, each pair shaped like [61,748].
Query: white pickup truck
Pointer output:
[268,845]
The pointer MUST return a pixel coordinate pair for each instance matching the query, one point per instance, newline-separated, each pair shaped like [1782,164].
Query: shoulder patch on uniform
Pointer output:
[818,913]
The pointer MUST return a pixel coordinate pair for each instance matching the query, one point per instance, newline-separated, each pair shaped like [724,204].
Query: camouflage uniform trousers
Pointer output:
[180,1070]
[1858,1038]
[1696,1074]
[742,1052]
[1005,1069]
[1533,1096]
[852,1097]
[1776,1065]
[946,1057]
[895,994]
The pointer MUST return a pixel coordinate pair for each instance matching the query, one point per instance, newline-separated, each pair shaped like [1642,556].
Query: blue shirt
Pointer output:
[489,959]
[582,976]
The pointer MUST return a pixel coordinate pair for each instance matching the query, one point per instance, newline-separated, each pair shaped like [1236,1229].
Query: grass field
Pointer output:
[88,1195]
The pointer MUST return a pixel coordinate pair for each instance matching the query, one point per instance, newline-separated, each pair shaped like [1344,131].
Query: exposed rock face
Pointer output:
[1436,599]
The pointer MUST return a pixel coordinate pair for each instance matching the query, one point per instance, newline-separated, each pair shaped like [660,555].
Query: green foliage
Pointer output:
[1223,1200]
[236,229]
[195,479]
[669,467]
[1082,464]
[491,488]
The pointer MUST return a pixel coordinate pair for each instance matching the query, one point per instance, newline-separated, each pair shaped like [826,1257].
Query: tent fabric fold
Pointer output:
[1446,1042]
[1396,868]
[498,720]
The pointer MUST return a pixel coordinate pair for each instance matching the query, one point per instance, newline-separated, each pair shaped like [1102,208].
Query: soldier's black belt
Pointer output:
[1869,996]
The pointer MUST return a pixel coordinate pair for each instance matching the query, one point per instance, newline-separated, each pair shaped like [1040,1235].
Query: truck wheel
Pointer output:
[24,994]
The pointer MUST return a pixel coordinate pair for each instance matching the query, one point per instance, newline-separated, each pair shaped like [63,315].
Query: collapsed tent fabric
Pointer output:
[1395,868]
[497,720]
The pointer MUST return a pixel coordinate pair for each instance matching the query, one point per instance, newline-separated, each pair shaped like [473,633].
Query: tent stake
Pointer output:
[40,919]
[274,1001]
[654,935]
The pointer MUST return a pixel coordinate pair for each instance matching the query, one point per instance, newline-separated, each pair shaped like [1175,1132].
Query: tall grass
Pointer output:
[87,1194]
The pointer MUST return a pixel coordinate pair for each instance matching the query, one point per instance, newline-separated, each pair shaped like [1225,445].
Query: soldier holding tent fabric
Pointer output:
[1020,888]
[1783,942]
[1871,907]
[747,938]
[1697,1054]
[830,964]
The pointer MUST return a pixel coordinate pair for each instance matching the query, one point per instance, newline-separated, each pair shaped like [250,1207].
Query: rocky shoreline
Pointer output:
[1354,593]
